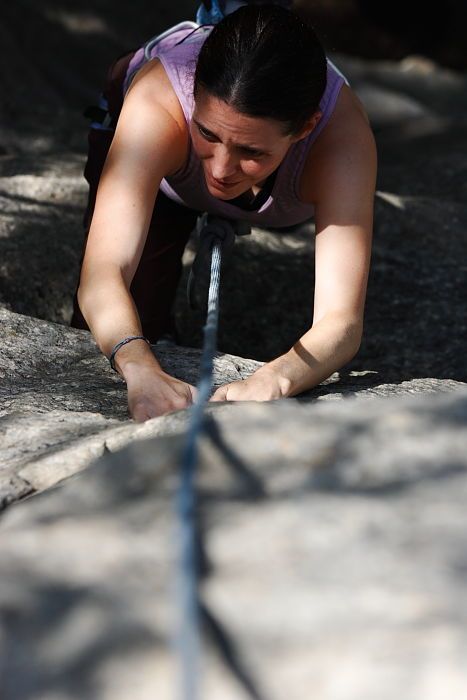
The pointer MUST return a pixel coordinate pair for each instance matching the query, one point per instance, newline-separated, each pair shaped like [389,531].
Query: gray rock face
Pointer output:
[343,536]
[41,204]
[61,406]
[344,576]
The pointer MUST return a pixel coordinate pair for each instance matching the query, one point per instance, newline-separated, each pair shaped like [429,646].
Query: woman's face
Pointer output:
[237,151]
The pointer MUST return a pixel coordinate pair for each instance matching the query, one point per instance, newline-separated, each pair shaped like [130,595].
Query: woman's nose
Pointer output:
[224,164]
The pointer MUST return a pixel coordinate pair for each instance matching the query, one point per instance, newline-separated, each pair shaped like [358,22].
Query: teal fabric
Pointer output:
[212,16]
[220,8]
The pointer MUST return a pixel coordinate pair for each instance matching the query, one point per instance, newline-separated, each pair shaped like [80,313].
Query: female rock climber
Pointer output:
[245,120]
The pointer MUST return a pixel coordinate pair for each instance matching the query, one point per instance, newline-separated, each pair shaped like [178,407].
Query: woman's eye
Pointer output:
[254,155]
[205,134]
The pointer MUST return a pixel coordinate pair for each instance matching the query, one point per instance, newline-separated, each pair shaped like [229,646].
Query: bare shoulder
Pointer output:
[152,120]
[151,83]
[344,152]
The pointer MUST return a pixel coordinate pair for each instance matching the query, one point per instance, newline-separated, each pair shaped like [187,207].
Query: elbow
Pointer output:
[99,286]
[353,335]
[349,334]
[344,331]
[81,296]
[86,297]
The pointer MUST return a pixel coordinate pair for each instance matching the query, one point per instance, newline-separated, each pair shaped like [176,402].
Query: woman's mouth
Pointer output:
[223,184]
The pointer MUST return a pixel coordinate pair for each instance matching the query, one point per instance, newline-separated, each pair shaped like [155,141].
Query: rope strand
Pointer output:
[189,604]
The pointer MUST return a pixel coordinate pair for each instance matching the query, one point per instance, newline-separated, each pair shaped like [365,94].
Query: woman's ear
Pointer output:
[309,126]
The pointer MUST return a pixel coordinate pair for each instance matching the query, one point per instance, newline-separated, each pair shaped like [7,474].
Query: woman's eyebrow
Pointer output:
[246,147]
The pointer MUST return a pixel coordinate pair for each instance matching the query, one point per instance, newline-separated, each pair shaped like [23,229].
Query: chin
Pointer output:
[225,196]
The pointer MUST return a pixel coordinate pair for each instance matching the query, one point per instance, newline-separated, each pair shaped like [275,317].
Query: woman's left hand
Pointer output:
[263,385]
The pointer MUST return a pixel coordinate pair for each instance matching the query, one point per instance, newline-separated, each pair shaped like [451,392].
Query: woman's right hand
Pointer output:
[152,392]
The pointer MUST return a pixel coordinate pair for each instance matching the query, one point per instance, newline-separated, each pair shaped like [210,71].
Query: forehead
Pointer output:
[225,121]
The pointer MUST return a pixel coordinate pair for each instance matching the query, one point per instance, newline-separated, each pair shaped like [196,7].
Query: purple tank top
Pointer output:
[178,53]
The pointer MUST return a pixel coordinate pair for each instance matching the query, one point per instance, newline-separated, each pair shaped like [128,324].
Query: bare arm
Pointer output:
[149,143]
[344,192]
[340,179]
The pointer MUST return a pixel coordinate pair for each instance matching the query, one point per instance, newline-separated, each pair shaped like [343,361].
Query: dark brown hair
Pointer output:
[264,61]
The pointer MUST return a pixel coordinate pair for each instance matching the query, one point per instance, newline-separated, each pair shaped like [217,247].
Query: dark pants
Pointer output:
[155,282]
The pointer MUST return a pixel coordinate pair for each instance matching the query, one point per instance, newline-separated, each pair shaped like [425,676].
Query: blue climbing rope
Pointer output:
[189,605]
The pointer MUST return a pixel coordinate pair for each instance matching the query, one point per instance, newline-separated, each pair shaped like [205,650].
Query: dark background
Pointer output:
[375,29]
[70,43]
